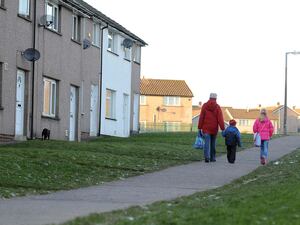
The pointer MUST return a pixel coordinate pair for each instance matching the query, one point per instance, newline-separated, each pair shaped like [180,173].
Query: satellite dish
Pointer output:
[127,43]
[86,44]
[46,21]
[31,54]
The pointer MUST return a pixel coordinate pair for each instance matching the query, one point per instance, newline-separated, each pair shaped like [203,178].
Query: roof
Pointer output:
[298,111]
[249,113]
[157,87]
[91,11]
[227,117]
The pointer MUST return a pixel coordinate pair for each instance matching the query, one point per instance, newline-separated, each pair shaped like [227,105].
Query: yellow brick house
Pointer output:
[165,105]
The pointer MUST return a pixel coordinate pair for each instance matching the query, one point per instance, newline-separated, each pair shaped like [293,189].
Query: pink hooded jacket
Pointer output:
[265,128]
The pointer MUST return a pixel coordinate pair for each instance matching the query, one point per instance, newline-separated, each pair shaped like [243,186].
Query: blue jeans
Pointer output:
[210,146]
[264,149]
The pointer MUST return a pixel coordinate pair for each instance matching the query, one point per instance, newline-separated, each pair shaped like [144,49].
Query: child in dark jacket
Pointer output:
[232,140]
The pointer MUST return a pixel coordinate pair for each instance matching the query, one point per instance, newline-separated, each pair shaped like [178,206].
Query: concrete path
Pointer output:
[164,185]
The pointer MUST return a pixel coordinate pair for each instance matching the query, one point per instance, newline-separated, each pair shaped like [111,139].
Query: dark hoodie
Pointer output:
[211,118]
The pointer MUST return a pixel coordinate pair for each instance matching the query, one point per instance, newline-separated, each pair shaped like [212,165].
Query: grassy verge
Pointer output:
[268,196]
[37,167]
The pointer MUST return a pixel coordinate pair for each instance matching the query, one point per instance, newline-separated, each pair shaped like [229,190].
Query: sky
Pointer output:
[235,48]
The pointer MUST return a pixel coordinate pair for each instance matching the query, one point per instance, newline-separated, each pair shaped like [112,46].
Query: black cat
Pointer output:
[46,134]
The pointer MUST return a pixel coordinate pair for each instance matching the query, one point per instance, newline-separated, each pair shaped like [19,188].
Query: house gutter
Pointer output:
[33,69]
[101,79]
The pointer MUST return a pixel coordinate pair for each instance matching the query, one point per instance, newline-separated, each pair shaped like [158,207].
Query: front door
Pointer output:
[135,121]
[125,115]
[20,96]
[93,110]
[73,114]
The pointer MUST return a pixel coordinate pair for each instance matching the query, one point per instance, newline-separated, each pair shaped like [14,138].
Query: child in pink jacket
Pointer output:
[265,128]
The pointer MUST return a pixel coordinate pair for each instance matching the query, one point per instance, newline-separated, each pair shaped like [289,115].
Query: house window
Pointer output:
[24,7]
[127,53]
[112,42]
[96,34]
[137,54]
[2,3]
[50,93]
[75,28]
[110,104]
[1,79]
[53,12]
[143,100]
[171,101]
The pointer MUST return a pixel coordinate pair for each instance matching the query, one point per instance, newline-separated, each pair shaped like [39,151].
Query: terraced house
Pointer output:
[74,86]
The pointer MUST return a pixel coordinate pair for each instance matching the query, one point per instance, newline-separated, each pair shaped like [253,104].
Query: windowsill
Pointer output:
[96,46]
[3,7]
[53,31]
[110,119]
[24,18]
[75,41]
[138,63]
[173,106]
[50,118]
[113,53]
[128,60]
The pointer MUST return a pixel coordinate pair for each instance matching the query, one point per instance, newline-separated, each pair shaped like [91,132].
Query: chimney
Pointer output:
[200,104]
[294,107]
[248,109]
[259,106]
[278,103]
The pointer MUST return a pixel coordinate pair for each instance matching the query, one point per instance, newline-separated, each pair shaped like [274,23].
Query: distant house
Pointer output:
[292,119]
[165,104]
[245,118]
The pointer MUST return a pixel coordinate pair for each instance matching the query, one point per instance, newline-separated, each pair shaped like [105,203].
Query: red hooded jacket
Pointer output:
[211,118]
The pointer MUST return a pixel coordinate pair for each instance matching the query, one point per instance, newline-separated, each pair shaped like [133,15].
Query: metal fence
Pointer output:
[166,127]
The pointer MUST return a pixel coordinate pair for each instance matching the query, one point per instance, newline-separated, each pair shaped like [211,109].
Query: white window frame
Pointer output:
[55,14]
[52,102]
[112,105]
[112,39]
[96,34]
[75,27]
[172,101]
[127,53]
[137,54]
[24,12]
[143,100]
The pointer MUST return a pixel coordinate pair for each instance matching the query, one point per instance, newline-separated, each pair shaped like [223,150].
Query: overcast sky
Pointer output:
[234,47]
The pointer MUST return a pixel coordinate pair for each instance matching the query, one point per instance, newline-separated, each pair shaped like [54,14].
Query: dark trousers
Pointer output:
[231,153]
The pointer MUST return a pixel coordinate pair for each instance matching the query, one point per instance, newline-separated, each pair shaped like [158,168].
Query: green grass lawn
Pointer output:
[37,167]
[268,196]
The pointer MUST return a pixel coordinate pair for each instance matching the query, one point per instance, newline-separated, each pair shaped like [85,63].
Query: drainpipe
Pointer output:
[33,69]
[101,79]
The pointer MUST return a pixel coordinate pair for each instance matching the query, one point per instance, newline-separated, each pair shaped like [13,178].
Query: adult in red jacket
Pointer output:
[211,118]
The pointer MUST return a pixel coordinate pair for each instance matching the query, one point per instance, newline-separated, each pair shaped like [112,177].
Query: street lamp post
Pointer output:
[285,90]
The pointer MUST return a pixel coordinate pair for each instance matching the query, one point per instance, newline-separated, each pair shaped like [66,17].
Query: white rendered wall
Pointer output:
[117,77]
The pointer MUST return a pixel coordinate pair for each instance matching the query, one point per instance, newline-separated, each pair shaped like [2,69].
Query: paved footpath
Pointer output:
[164,185]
